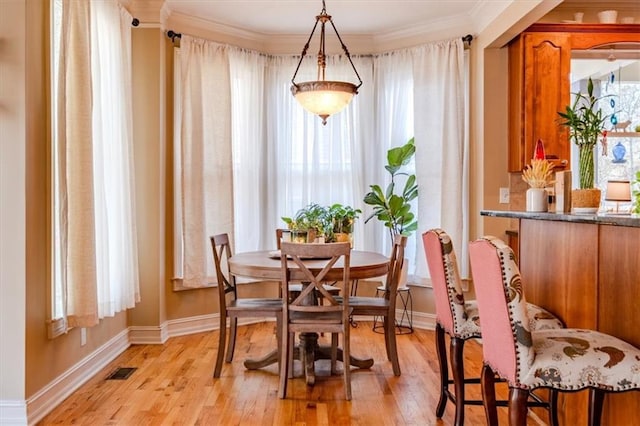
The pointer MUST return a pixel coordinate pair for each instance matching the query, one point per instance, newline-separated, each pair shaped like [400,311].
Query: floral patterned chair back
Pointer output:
[451,312]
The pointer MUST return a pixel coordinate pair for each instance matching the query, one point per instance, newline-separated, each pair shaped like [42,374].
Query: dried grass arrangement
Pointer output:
[539,174]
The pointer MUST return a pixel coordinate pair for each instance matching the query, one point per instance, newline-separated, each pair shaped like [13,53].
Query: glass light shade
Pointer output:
[618,190]
[324,98]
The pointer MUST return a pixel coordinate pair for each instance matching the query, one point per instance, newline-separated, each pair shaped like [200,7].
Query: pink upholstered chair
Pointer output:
[460,320]
[561,359]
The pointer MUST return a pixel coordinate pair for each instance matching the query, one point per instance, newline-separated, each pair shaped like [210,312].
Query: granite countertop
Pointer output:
[600,219]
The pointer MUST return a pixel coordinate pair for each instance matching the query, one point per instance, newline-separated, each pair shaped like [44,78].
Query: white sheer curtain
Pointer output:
[306,161]
[206,162]
[393,126]
[250,188]
[94,232]
[442,146]
[116,251]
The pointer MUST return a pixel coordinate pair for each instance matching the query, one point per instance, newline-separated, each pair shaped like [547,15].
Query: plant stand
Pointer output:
[405,324]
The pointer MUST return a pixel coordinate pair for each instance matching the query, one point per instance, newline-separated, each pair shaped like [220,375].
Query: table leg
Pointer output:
[308,348]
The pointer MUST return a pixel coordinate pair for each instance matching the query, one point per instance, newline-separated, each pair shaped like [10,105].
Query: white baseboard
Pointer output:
[419,320]
[203,323]
[13,412]
[47,398]
[148,335]
[158,335]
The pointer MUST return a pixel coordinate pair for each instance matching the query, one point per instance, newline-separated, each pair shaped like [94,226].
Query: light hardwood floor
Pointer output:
[173,385]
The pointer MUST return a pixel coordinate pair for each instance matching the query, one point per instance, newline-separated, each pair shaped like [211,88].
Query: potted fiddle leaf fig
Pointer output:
[585,120]
[393,206]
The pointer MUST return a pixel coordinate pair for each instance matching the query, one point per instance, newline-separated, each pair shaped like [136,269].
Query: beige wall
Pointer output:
[149,160]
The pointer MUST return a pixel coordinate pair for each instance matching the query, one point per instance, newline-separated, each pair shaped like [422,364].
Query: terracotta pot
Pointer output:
[585,198]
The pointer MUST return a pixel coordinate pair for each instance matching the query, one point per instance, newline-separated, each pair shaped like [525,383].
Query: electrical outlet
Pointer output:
[83,336]
[504,195]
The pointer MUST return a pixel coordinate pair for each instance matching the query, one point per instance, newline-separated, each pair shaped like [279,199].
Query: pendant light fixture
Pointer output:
[322,97]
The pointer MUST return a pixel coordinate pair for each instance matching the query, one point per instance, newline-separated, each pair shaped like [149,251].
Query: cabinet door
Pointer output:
[545,63]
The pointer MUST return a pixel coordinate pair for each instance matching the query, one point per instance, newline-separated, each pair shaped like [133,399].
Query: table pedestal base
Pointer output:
[307,352]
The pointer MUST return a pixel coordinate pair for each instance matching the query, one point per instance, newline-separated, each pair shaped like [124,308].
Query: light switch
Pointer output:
[504,195]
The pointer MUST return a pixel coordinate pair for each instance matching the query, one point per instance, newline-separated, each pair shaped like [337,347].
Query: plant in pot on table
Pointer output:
[310,224]
[585,121]
[342,219]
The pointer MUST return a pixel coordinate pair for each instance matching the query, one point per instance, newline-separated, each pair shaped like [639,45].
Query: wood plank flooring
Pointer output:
[173,385]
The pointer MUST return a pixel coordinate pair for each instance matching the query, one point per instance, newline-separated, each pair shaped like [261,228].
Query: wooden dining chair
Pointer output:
[304,315]
[561,359]
[458,318]
[385,307]
[233,307]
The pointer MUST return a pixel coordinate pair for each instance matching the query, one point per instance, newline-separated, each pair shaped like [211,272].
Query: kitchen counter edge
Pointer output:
[599,219]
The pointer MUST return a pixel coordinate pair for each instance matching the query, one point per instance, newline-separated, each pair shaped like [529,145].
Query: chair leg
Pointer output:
[487,381]
[279,337]
[457,368]
[553,407]
[334,353]
[222,340]
[292,343]
[596,400]
[346,365]
[518,406]
[233,327]
[392,347]
[444,370]
[285,361]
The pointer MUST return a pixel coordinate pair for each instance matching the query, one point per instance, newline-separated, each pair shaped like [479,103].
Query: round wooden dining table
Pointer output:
[266,265]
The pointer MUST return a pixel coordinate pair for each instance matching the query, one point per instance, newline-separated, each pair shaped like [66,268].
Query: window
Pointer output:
[282,158]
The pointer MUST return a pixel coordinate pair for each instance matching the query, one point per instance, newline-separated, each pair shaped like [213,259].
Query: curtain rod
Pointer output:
[173,35]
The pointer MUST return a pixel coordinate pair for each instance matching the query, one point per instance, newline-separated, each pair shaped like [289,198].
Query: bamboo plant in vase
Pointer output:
[585,121]
[539,176]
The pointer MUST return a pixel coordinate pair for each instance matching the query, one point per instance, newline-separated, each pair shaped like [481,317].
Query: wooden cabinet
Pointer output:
[539,66]
[539,85]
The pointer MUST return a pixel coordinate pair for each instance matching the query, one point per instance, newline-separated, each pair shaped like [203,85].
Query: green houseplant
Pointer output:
[342,220]
[585,121]
[309,223]
[394,208]
[315,222]
[636,195]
